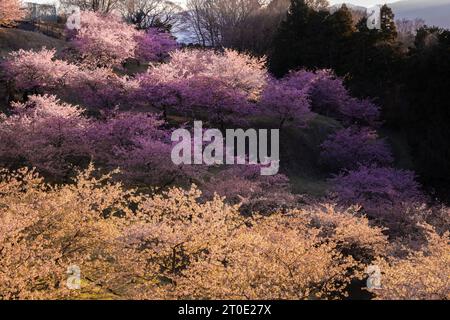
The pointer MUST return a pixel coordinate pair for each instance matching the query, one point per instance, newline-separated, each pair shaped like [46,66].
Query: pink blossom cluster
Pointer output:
[56,137]
[286,103]
[41,72]
[330,97]
[104,40]
[154,45]
[351,147]
[38,70]
[45,134]
[381,191]
[219,86]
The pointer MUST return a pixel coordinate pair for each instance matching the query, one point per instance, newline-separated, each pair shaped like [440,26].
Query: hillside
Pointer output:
[15,39]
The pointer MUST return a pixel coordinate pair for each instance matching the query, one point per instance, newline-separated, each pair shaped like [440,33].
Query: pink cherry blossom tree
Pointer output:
[330,97]
[10,11]
[380,191]
[211,98]
[237,70]
[104,40]
[44,133]
[348,148]
[286,103]
[41,72]
[154,45]
[360,112]
[37,71]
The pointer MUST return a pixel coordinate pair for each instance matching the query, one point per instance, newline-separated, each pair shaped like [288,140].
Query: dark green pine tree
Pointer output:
[426,117]
[308,38]
[340,31]
[388,27]
[374,65]
[287,51]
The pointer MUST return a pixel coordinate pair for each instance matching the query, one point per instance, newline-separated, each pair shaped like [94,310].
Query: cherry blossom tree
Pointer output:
[221,86]
[423,275]
[44,133]
[348,148]
[101,88]
[360,112]
[104,40]
[37,71]
[327,92]
[212,97]
[41,72]
[330,97]
[382,192]
[138,144]
[286,103]
[10,11]
[154,45]
[237,70]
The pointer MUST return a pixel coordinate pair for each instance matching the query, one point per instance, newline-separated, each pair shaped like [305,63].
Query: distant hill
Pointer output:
[434,12]
[349,5]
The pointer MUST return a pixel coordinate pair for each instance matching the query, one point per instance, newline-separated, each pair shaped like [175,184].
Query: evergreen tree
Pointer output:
[287,51]
[388,26]
[427,117]
[341,29]
[309,38]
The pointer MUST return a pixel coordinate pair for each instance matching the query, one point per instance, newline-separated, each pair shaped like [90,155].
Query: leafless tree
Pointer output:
[407,29]
[200,18]
[104,6]
[220,22]
[152,13]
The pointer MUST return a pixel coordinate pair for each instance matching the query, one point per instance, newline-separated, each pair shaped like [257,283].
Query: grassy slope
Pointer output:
[302,155]
[299,153]
[15,39]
